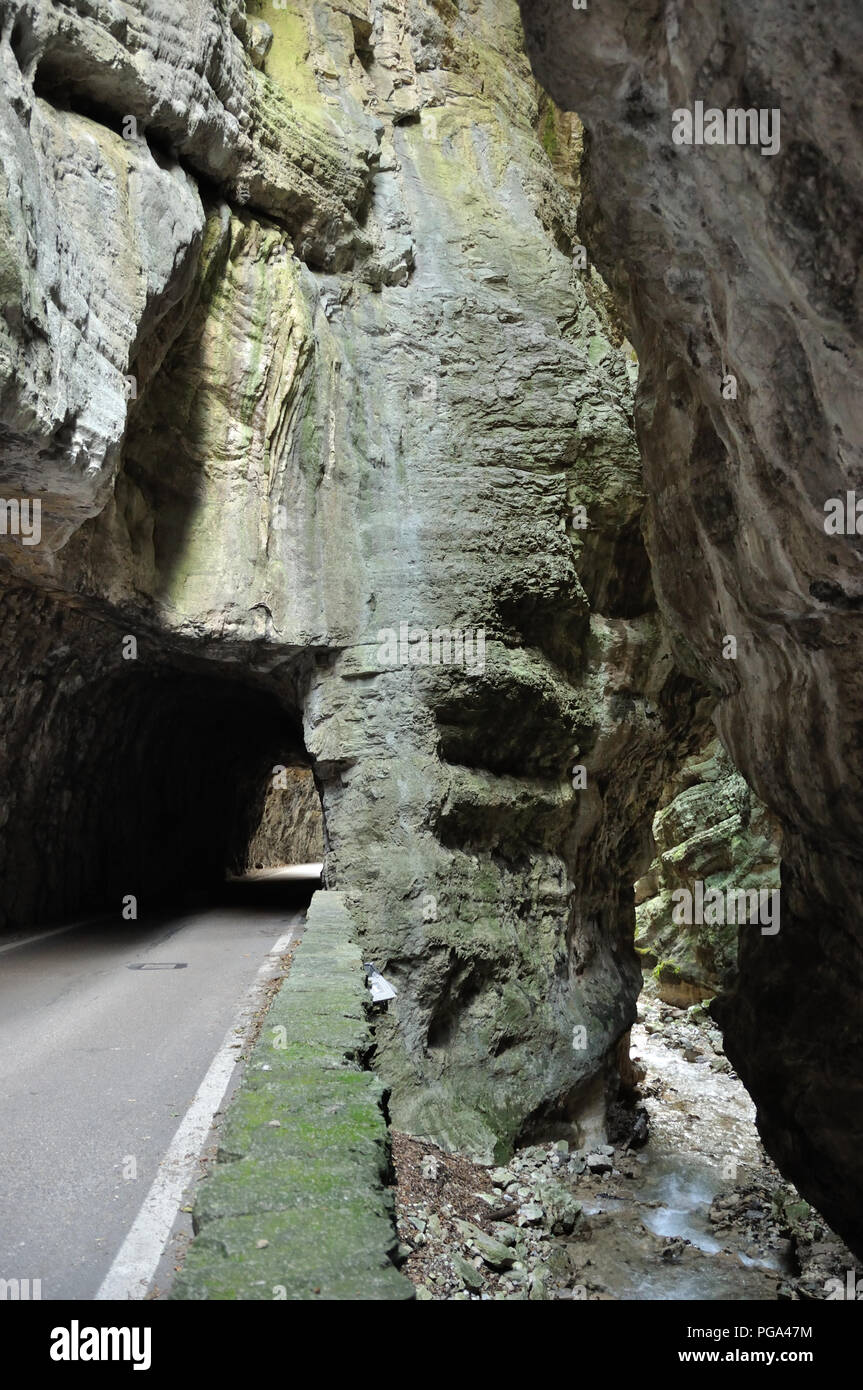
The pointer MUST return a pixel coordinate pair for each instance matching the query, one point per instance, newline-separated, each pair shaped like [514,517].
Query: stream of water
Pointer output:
[697,1212]
[649,1230]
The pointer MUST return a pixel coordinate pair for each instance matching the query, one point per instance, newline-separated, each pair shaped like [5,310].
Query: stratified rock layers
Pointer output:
[354,380]
[291,826]
[733,263]
[711,830]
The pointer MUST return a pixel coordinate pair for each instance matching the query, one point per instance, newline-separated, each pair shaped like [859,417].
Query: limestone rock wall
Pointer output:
[709,829]
[729,262]
[373,387]
[291,827]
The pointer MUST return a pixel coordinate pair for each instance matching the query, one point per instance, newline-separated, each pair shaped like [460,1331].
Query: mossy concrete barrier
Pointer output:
[296,1207]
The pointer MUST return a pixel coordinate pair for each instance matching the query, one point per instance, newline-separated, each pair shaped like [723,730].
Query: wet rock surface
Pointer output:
[731,263]
[694,1211]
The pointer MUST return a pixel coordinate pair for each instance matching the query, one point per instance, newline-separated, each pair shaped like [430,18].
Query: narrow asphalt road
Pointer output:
[109,1077]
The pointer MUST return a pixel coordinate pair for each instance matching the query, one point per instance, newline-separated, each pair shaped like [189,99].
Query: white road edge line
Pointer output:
[138,1258]
[41,936]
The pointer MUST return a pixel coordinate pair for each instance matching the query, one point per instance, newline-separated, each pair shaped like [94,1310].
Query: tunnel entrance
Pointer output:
[147,786]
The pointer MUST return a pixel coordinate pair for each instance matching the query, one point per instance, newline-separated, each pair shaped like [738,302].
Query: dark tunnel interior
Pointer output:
[152,785]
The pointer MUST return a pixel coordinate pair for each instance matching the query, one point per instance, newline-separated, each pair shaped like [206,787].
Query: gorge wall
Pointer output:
[298,351]
[729,262]
[301,360]
[710,830]
[291,825]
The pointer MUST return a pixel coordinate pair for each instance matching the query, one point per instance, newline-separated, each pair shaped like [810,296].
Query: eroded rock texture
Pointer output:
[730,262]
[709,829]
[291,825]
[372,387]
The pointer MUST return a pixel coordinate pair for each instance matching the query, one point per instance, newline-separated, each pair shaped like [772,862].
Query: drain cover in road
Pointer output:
[160,965]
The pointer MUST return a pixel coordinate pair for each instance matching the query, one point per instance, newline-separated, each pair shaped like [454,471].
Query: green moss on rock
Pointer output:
[297,1206]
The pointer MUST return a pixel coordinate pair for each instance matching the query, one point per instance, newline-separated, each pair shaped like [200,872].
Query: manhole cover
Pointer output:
[160,965]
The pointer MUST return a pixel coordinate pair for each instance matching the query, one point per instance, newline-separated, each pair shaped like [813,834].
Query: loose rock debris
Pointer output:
[685,1204]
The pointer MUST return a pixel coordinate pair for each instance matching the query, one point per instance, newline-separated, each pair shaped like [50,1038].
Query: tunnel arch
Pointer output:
[151,781]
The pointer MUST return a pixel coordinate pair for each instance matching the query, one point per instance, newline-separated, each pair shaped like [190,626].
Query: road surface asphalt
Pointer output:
[105,1065]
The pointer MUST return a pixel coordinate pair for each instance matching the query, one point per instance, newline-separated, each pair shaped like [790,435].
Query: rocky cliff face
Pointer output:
[738,270]
[710,830]
[302,361]
[290,827]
